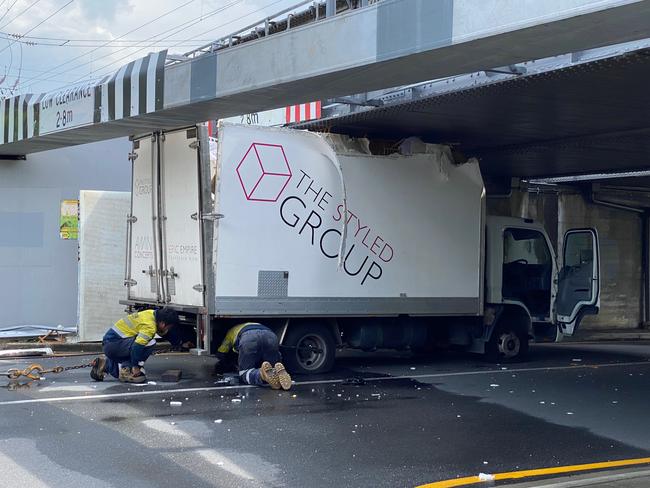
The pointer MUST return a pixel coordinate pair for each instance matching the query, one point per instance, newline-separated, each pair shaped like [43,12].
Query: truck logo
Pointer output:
[264,172]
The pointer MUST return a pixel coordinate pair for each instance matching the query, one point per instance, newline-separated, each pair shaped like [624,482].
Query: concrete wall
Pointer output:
[38,270]
[620,234]
[541,207]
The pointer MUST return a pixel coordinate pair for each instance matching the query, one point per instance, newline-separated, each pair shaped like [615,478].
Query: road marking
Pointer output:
[580,482]
[472,480]
[321,382]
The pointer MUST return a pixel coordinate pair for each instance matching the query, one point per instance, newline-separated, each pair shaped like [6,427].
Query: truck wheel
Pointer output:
[507,344]
[309,349]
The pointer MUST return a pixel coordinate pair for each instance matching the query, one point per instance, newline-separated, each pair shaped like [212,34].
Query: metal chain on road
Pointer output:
[35,371]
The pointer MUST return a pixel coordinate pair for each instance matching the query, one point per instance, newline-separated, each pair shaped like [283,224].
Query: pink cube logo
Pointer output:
[264,172]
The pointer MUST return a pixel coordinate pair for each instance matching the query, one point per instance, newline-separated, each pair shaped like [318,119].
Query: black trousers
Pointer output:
[255,347]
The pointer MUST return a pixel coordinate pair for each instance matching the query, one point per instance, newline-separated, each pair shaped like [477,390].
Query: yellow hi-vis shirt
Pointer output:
[228,343]
[139,324]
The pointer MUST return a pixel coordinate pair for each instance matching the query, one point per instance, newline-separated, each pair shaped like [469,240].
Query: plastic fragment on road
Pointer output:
[236,400]
[151,383]
[494,385]
[175,404]
[569,413]
[412,368]
[218,421]
[485,477]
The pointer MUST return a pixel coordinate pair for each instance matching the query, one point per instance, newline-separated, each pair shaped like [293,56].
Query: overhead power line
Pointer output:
[11,61]
[21,13]
[8,9]
[101,74]
[41,22]
[123,35]
[72,43]
[175,30]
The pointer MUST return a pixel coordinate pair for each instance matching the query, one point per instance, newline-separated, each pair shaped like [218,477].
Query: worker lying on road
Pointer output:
[258,353]
[128,344]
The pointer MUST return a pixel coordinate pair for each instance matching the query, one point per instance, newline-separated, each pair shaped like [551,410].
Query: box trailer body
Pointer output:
[335,246]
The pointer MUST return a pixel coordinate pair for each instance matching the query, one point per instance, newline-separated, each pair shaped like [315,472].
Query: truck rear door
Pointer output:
[170,225]
[142,271]
[578,280]
[182,247]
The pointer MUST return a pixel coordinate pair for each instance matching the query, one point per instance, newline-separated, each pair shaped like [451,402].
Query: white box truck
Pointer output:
[333,247]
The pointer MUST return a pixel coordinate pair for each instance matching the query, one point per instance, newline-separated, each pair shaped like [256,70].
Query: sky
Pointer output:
[50,44]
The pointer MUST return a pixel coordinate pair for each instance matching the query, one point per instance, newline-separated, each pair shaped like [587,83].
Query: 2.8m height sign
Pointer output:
[73,107]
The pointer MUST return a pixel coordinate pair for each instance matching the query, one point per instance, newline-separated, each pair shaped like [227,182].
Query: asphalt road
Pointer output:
[413,421]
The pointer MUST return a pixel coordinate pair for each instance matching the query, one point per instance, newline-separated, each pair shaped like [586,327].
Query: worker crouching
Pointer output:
[258,356]
[129,343]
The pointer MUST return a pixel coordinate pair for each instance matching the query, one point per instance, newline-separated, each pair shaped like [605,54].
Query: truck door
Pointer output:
[578,280]
[142,276]
[182,218]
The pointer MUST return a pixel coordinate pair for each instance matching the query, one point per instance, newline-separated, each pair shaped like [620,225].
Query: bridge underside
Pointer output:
[588,118]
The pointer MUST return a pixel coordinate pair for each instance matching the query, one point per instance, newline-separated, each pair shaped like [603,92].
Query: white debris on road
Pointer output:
[485,477]
[175,404]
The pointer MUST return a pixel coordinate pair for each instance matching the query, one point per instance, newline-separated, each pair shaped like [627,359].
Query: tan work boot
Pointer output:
[269,375]
[126,376]
[99,368]
[283,376]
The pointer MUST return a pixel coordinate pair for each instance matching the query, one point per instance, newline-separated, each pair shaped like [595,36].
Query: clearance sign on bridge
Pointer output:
[136,88]
[73,107]
[280,116]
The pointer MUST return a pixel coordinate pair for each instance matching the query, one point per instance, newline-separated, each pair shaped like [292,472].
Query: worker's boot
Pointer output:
[283,376]
[269,375]
[126,376]
[99,368]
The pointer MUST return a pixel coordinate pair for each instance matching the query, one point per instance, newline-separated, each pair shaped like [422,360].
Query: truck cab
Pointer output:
[528,292]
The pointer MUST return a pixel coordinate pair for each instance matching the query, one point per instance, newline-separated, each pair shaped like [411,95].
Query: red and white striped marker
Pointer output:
[302,112]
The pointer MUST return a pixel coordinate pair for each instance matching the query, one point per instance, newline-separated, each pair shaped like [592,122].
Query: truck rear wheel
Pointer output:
[508,343]
[309,349]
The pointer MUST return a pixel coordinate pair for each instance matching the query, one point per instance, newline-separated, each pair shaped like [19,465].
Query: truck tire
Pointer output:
[297,348]
[508,344]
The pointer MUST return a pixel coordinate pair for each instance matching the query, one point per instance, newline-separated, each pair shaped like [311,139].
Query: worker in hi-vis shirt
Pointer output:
[129,343]
[258,356]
